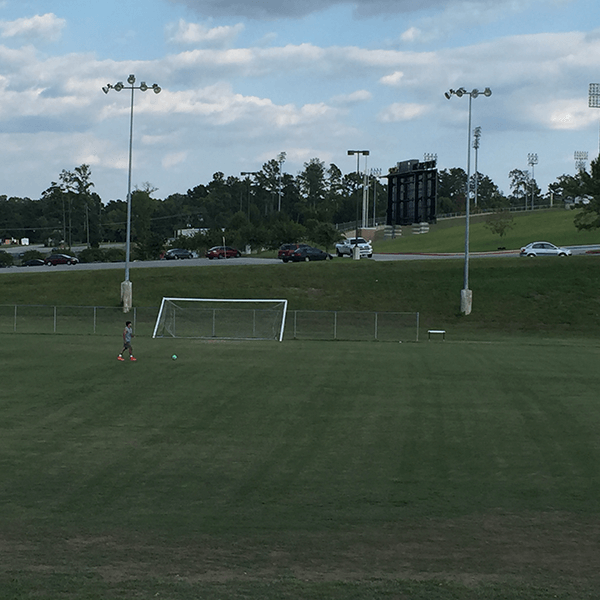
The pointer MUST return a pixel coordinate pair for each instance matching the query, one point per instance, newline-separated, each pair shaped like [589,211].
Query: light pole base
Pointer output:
[466,301]
[356,253]
[126,295]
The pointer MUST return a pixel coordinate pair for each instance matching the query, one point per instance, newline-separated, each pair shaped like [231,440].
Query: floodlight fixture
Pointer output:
[126,293]
[581,158]
[594,95]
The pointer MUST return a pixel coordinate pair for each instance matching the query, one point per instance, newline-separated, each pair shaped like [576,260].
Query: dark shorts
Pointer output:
[127,345]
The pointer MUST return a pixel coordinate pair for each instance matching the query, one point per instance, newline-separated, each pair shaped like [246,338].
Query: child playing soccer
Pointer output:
[127,335]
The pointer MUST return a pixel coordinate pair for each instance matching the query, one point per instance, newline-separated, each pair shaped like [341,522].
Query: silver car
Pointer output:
[544,249]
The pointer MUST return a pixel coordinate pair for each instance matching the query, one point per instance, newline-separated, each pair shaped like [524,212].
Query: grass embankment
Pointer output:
[264,471]
[554,297]
[448,235]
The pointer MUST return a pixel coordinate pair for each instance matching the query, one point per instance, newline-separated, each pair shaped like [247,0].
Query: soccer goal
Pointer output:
[209,318]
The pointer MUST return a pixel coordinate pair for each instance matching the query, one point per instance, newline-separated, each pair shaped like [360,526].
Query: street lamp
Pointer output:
[356,252]
[249,174]
[126,289]
[466,295]
[532,160]
[594,102]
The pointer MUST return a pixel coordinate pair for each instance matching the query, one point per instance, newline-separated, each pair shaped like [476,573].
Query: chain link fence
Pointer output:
[300,324]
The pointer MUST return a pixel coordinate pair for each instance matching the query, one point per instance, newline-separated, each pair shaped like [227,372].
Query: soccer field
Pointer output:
[436,470]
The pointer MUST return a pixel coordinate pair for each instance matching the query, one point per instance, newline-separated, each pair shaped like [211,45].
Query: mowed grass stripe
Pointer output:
[383,464]
[262,436]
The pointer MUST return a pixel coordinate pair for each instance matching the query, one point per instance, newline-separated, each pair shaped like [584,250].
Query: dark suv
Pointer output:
[286,250]
[61,259]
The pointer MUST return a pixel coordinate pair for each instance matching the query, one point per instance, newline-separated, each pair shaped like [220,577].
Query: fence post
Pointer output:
[335,324]
[15,321]
[55,319]
[376,325]
[417,327]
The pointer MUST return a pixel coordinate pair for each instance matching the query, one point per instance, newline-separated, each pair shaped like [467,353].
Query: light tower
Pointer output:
[126,288]
[532,160]
[466,295]
[580,160]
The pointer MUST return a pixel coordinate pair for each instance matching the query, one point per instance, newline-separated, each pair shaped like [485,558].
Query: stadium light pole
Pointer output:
[356,252]
[476,140]
[249,174]
[466,295]
[280,159]
[532,160]
[375,173]
[581,157]
[594,102]
[126,288]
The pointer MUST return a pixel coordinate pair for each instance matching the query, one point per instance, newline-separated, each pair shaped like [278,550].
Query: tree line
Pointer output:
[261,209]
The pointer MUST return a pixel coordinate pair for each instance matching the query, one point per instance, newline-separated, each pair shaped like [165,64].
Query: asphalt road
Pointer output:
[248,260]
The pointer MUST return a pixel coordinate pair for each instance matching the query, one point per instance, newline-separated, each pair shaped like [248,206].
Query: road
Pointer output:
[248,260]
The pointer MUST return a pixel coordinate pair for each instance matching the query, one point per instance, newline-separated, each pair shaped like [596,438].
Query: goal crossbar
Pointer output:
[221,318]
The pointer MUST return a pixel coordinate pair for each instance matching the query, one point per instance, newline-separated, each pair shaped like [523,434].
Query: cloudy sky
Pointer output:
[243,80]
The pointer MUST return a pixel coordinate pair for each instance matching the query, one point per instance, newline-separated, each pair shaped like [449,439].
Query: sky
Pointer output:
[244,80]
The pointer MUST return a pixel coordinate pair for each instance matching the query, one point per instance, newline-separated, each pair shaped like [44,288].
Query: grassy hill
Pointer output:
[511,295]
[448,235]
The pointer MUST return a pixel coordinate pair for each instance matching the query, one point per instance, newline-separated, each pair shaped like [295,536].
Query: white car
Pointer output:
[544,249]
[346,247]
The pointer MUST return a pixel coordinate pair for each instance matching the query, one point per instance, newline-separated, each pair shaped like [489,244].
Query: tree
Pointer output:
[324,234]
[586,186]
[499,222]
[451,190]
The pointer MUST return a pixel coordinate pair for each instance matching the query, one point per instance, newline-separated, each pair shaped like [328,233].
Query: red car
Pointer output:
[61,259]
[223,252]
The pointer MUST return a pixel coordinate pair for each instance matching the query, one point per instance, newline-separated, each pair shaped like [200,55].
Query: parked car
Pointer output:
[177,253]
[308,253]
[346,247]
[544,249]
[286,250]
[223,252]
[34,262]
[61,259]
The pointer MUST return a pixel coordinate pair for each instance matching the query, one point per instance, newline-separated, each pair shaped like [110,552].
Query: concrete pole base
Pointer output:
[126,296]
[356,253]
[466,301]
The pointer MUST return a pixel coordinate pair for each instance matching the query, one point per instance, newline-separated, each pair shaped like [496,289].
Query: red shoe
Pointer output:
[132,358]
[120,357]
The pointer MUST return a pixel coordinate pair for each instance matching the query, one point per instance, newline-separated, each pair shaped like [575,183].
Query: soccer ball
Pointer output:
[174,357]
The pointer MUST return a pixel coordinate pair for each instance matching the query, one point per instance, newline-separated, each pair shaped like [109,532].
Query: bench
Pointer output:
[441,332]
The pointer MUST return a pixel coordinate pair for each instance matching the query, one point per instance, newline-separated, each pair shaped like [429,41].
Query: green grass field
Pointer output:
[463,469]
[438,470]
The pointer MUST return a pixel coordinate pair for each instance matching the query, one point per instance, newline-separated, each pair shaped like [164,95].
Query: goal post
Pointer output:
[226,319]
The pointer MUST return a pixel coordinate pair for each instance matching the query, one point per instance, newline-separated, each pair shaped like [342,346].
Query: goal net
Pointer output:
[207,318]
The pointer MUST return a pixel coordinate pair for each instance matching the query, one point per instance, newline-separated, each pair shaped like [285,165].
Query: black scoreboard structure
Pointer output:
[412,193]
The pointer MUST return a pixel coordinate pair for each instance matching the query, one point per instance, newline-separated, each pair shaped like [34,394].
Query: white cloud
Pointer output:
[393,80]
[48,27]
[401,112]
[185,33]
[173,158]
[356,97]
